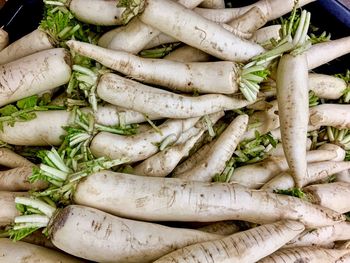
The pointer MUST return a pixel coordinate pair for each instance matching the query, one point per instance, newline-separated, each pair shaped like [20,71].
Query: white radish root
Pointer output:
[271,8]
[197,31]
[181,200]
[14,252]
[211,77]
[335,115]
[305,254]
[96,12]
[17,179]
[293,110]
[315,172]
[188,54]
[325,52]
[220,152]
[327,87]
[263,35]
[163,163]
[39,41]
[46,129]
[11,159]
[240,247]
[4,39]
[152,101]
[92,234]
[34,74]
[8,209]
[258,174]
[332,195]
[343,176]
[339,151]
[321,236]
[140,146]
[194,159]
[245,25]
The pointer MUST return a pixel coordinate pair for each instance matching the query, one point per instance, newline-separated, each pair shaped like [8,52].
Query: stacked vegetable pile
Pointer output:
[186,134]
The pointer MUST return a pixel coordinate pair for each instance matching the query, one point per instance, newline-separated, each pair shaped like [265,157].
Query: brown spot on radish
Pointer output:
[58,220]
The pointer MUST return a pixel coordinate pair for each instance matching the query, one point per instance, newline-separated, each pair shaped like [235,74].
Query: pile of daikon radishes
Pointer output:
[138,131]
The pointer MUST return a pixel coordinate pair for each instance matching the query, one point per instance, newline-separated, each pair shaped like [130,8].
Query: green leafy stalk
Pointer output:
[251,151]
[159,52]
[346,93]
[35,214]
[296,192]
[25,110]
[313,99]
[340,137]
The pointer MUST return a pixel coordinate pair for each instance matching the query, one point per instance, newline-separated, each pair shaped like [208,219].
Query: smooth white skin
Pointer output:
[45,129]
[163,163]
[315,172]
[212,77]
[305,254]
[4,39]
[343,176]
[247,246]
[188,54]
[325,52]
[322,236]
[268,120]
[335,115]
[326,87]
[332,195]
[34,74]
[161,39]
[193,160]
[278,150]
[197,31]
[14,252]
[248,23]
[264,35]
[136,35]
[95,235]
[224,228]
[38,39]
[133,95]
[220,152]
[293,110]
[258,174]
[97,12]
[140,146]
[16,179]
[271,8]
[11,159]
[8,209]
[340,152]
[174,199]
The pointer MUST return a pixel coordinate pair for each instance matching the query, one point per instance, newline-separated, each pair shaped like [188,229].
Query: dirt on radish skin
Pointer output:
[94,235]
[39,41]
[34,74]
[181,200]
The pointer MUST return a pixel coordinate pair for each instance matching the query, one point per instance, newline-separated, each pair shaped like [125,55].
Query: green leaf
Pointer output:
[28,102]
[8,110]
[296,192]
[17,235]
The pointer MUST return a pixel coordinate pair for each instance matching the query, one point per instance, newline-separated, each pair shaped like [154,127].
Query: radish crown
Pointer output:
[132,9]
[346,78]
[36,214]
[63,168]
